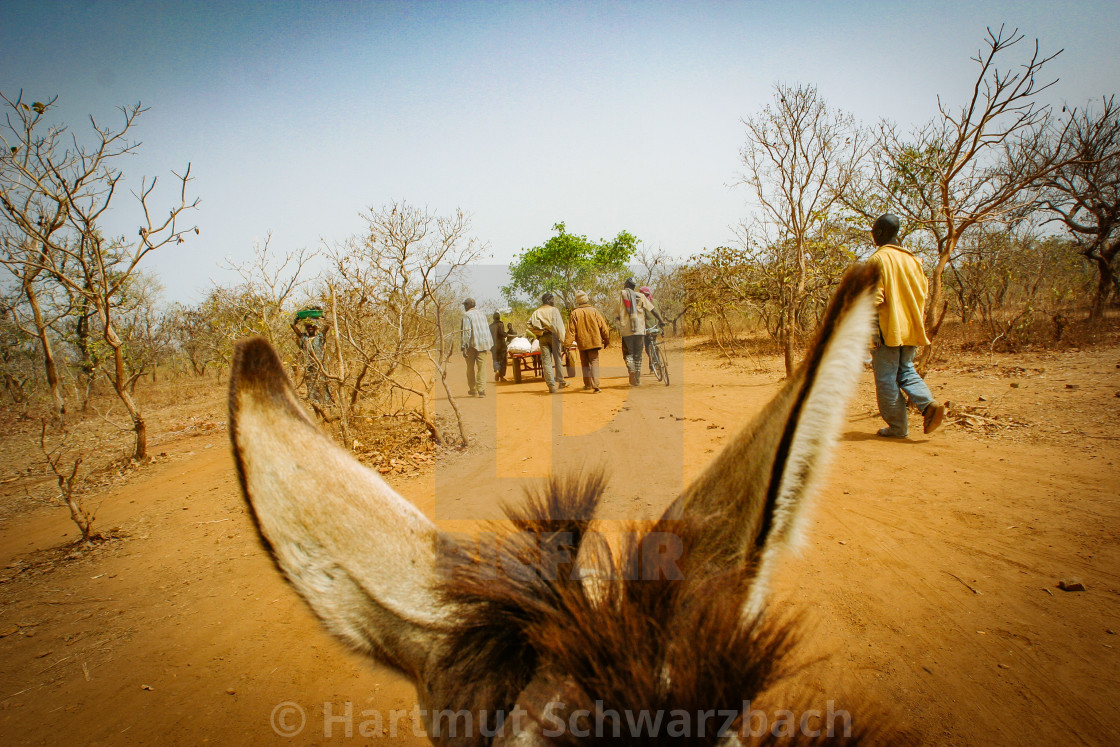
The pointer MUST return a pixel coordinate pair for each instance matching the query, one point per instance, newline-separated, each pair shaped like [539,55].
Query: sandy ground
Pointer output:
[929,582]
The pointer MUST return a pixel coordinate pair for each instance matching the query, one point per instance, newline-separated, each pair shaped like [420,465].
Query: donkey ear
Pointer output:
[750,502]
[360,555]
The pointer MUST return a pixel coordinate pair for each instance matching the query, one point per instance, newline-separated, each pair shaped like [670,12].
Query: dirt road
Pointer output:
[929,582]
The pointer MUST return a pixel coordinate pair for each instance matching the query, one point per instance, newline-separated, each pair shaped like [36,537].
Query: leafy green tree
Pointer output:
[567,263]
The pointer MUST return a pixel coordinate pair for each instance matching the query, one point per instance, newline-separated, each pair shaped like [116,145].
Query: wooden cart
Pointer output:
[531,363]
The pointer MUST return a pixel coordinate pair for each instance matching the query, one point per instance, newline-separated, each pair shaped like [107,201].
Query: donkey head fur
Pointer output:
[554,625]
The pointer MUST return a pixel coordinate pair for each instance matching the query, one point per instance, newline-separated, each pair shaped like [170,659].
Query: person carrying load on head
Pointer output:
[312,339]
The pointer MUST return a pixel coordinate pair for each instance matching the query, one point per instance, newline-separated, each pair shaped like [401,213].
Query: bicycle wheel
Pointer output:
[655,361]
[663,365]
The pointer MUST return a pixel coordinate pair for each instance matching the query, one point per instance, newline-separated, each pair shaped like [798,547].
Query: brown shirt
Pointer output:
[587,328]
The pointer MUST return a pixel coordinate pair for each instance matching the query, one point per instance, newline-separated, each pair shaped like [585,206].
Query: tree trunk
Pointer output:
[81,331]
[936,286]
[120,384]
[139,425]
[1105,277]
[441,371]
[787,334]
[79,517]
[789,313]
[428,420]
[58,404]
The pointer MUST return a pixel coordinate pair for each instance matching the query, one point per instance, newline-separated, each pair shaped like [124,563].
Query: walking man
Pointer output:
[588,329]
[475,344]
[631,319]
[548,325]
[498,333]
[901,300]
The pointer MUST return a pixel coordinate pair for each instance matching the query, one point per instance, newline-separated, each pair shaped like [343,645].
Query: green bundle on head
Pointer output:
[306,314]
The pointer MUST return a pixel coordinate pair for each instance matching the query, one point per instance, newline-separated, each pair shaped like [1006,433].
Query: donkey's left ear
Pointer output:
[750,502]
[362,557]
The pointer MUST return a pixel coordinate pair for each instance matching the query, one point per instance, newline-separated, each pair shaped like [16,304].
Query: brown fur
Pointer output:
[611,647]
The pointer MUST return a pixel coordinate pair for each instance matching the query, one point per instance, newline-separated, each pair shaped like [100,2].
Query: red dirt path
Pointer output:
[928,583]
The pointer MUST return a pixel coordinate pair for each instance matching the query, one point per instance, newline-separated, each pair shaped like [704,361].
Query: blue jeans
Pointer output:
[895,374]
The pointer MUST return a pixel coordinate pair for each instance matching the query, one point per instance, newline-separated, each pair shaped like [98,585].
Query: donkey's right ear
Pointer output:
[750,503]
[361,556]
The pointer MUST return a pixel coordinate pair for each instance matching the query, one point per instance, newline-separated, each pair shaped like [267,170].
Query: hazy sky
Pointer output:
[608,116]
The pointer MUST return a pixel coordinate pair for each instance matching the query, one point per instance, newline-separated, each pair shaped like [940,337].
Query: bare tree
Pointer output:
[36,306]
[64,460]
[657,269]
[28,141]
[978,163]
[270,284]
[650,264]
[192,333]
[665,276]
[66,192]
[799,157]
[1084,193]
[1010,277]
[18,359]
[396,298]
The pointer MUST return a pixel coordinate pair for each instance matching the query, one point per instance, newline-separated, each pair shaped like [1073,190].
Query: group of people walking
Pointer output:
[899,298]
[586,329]
[900,301]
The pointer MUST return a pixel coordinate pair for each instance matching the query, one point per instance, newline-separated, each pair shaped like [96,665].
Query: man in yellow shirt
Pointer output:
[901,300]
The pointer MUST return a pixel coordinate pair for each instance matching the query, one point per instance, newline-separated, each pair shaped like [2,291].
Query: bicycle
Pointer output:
[657,358]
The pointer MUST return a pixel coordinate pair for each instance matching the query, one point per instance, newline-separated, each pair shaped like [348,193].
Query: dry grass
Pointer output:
[174,407]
